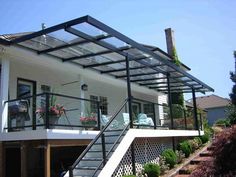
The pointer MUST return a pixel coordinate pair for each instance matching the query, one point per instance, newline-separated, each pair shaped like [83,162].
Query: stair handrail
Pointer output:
[112,147]
[95,139]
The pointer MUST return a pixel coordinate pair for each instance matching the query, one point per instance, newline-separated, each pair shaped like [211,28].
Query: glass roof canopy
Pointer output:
[91,44]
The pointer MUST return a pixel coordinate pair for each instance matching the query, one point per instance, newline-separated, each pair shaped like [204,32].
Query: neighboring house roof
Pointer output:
[10,37]
[211,101]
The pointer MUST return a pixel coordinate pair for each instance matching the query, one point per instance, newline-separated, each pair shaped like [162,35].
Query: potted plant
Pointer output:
[89,119]
[55,111]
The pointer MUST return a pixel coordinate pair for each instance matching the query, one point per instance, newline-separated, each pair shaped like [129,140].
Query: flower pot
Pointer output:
[53,121]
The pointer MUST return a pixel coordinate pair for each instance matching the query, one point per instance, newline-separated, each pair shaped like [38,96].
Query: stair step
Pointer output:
[205,154]
[211,148]
[200,159]
[105,143]
[115,130]
[188,169]
[112,135]
[182,175]
[99,151]
[85,168]
[92,159]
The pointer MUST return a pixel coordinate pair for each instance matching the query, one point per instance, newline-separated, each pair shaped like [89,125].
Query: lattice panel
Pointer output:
[146,150]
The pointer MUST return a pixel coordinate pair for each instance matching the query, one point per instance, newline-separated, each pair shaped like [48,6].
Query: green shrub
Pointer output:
[224,122]
[129,176]
[178,111]
[194,144]
[163,165]
[170,157]
[186,148]
[199,141]
[180,156]
[152,170]
[205,138]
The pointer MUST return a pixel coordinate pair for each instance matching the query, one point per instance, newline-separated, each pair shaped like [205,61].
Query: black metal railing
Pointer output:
[100,139]
[52,110]
[182,118]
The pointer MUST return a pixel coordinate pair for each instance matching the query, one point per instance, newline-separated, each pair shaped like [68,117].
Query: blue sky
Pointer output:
[205,30]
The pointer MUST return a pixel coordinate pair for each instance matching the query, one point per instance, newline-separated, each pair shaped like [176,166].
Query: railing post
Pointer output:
[34,112]
[170,101]
[129,91]
[195,109]
[70,171]
[154,115]
[200,114]
[99,115]
[185,120]
[130,109]
[103,149]
[133,158]
[170,106]
[47,111]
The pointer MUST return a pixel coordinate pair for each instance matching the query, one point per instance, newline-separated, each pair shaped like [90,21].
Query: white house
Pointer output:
[56,79]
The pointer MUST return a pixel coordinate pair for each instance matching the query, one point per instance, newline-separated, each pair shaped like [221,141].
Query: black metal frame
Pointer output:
[151,52]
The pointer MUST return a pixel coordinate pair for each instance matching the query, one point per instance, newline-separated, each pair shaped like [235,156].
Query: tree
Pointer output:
[232,108]
[177,98]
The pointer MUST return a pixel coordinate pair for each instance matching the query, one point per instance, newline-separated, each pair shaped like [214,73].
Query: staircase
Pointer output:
[98,152]
[204,156]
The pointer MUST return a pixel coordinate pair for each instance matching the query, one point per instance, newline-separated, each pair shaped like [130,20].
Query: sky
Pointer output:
[205,30]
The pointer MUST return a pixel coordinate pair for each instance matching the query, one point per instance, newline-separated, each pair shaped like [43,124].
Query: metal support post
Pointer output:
[47,111]
[154,115]
[130,110]
[185,120]
[170,101]
[129,92]
[170,106]
[133,158]
[103,149]
[195,109]
[99,116]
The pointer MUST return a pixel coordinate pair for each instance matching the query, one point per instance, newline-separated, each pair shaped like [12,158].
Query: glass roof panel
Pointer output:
[88,29]
[115,42]
[36,44]
[64,53]
[114,56]
[92,47]
[63,36]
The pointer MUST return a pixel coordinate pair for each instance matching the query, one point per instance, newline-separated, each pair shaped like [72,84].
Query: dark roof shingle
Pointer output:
[212,101]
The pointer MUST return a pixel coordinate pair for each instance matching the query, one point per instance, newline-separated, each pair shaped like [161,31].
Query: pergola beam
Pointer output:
[100,37]
[133,68]
[117,61]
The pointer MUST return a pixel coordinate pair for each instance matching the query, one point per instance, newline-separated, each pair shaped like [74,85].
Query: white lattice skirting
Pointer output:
[146,150]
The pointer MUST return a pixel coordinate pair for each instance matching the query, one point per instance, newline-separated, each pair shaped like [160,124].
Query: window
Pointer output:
[148,109]
[103,104]
[93,104]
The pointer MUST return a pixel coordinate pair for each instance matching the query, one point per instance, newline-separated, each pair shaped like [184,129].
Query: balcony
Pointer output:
[57,111]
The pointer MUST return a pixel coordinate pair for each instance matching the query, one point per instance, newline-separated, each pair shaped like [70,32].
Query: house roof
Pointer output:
[90,44]
[211,101]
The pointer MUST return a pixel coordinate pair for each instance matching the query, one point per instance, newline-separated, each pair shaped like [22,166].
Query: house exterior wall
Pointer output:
[213,114]
[67,79]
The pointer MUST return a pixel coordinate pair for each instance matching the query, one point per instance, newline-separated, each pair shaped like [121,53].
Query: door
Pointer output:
[25,89]
[136,108]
